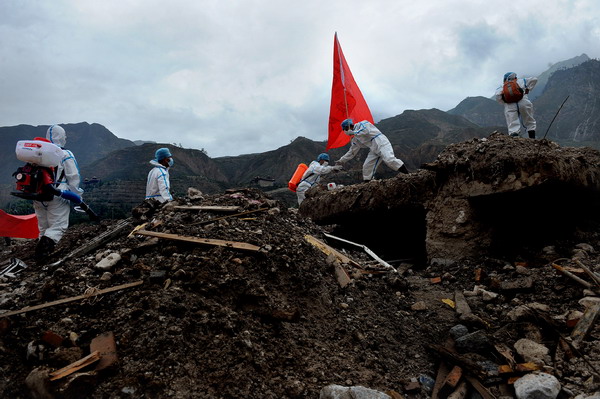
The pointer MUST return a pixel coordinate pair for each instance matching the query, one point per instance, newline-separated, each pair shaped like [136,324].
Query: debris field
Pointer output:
[236,295]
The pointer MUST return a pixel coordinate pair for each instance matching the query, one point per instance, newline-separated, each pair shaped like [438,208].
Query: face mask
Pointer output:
[171,162]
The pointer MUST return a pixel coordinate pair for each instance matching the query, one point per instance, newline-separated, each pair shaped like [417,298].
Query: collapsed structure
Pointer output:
[485,196]
[235,295]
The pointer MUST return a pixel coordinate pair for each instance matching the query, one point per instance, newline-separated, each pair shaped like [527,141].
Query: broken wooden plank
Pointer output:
[589,272]
[209,208]
[198,240]
[203,222]
[327,250]
[341,274]
[106,346]
[451,381]
[483,391]
[442,373]
[464,362]
[367,250]
[585,323]
[506,352]
[73,367]
[71,299]
[95,242]
[518,368]
[572,276]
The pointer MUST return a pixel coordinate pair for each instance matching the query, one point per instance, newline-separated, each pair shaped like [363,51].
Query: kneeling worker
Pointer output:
[313,174]
[158,184]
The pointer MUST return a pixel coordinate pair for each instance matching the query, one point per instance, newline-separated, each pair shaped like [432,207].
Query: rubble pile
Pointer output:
[225,296]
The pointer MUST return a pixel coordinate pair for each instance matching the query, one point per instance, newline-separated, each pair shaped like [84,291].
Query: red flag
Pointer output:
[346,100]
[20,226]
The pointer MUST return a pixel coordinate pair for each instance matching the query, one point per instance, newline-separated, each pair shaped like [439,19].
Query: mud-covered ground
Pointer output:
[218,322]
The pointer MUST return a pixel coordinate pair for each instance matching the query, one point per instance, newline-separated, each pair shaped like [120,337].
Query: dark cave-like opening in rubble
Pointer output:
[395,235]
[537,216]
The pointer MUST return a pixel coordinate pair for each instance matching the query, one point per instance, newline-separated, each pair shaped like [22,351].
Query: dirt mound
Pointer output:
[261,314]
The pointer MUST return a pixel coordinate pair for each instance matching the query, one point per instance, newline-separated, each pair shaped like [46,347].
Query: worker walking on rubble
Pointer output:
[518,110]
[365,135]
[53,215]
[313,174]
[158,185]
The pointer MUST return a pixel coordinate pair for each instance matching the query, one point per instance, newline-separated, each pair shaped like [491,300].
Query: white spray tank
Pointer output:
[39,152]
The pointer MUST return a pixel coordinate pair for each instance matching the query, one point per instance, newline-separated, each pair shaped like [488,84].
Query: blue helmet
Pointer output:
[509,76]
[161,154]
[323,157]
[346,123]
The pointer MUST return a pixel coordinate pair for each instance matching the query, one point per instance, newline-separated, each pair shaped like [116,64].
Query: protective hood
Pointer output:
[154,162]
[509,76]
[57,135]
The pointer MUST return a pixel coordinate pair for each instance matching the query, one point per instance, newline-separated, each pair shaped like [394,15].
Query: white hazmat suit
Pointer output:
[366,135]
[311,176]
[53,216]
[158,185]
[520,113]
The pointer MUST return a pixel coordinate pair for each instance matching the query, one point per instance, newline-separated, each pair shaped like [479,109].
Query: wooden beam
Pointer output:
[71,299]
[73,367]
[203,222]
[198,240]
[327,250]
[209,208]
[585,323]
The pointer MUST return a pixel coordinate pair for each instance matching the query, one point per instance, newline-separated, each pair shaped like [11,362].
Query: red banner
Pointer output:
[18,226]
[346,99]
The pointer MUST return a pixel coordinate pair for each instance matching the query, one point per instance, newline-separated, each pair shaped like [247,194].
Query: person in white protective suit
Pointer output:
[158,185]
[519,113]
[53,216]
[313,174]
[365,135]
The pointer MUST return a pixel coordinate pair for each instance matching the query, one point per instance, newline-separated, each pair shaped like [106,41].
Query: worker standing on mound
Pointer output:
[313,174]
[158,184]
[518,110]
[53,215]
[365,135]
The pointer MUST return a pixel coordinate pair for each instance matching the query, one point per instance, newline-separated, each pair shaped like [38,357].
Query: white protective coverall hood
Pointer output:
[57,135]
[366,135]
[158,184]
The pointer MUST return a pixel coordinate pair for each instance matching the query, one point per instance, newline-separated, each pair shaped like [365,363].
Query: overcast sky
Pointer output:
[237,76]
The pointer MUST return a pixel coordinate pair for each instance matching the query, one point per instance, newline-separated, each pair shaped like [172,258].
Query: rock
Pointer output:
[519,313]
[488,296]
[595,395]
[419,306]
[356,392]
[106,276]
[476,342]
[537,386]
[522,270]
[586,247]
[531,351]
[458,331]
[108,262]
[194,193]
[38,384]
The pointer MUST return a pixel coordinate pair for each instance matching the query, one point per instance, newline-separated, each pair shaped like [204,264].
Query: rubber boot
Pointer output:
[531,134]
[403,169]
[43,249]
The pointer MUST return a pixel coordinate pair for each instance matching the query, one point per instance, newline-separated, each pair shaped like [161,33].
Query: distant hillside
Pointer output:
[579,120]
[481,111]
[88,142]
[543,77]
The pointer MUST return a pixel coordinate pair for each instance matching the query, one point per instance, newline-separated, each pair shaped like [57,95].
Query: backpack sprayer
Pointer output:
[35,180]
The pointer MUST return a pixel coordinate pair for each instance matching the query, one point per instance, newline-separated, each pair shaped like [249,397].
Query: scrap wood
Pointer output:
[506,353]
[225,217]
[73,367]
[519,368]
[443,371]
[483,391]
[71,299]
[105,344]
[462,306]
[198,240]
[460,392]
[575,278]
[451,381]
[95,242]
[465,363]
[367,250]
[326,249]
[585,324]
[589,272]
[342,275]
[210,208]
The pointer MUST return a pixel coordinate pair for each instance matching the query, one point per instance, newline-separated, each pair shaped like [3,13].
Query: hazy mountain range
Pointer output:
[417,136]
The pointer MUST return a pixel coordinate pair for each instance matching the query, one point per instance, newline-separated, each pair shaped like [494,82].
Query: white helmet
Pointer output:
[57,135]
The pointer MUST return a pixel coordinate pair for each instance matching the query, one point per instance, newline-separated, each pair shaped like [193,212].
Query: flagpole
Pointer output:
[343,79]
